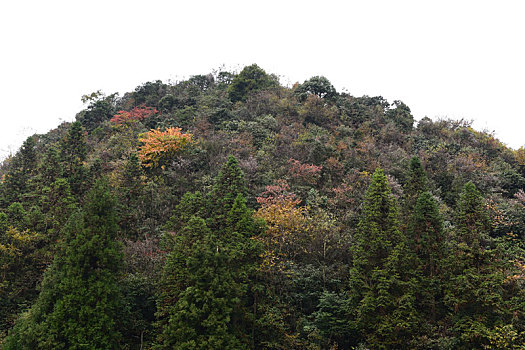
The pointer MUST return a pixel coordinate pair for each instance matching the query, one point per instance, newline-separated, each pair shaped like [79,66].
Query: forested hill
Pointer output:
[229,212]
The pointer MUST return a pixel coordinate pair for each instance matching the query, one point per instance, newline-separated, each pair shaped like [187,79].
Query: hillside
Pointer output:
[229,212]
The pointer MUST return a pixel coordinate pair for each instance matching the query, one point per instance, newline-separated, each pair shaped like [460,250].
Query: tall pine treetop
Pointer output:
[425,234]
[417,183]
[471,216]
[80,303]
[229,183]
[378,229]
[100,210]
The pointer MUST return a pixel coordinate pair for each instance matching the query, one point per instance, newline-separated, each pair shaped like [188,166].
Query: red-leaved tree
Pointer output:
[137,113]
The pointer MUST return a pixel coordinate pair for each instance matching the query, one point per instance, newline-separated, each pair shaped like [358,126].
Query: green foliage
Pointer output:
[475,286]
[205,297]
[426,243]
[205,294]
[56,204]
[17,184]
[250,79]
[51,167]
[401,116]
[471,217]
[100,109]
[229,183]
[80,302]
[416,184]
[191,204]
[73,151]
[19,270]
[131,197]
[150,93]
[425,234]
[318,86]
[381,298]
[334,267]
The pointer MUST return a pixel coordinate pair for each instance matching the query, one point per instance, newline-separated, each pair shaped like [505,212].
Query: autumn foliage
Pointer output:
[137,113]
[158,147]
[307,173]
[287,222]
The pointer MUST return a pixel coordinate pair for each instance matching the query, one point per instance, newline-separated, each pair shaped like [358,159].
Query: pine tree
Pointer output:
[228,184]
[73,151]
[79,305]
[17,185]
[207,300]
[199,283]
[426,237]
[474,292]
[50,168]
[57,204]
[416,184]
[131,197]
[471,217]
[191,204]
[381,290]
[426,242]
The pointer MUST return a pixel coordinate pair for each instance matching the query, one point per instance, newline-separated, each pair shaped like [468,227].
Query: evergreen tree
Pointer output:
[79,305]
[426,237]
[416,184]
[73,151]
[200,293]
[381,290]
[472,220]
[131,197]
[17,185]
[50,168]
[57,204]
[207,300]
[100,109]
[228,184]
[191,204]
[474,292]
[426,242]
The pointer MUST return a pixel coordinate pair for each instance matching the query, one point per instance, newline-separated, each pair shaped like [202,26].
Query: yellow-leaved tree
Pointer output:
[160,147]
[288,224]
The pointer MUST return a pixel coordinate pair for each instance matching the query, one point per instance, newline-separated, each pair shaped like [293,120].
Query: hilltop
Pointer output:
[237,213]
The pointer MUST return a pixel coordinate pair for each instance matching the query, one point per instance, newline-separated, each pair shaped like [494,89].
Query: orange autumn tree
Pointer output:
[137,113]
[287,226]
[159,147]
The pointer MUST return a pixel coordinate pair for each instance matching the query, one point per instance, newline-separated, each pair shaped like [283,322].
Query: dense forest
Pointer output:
[227,211]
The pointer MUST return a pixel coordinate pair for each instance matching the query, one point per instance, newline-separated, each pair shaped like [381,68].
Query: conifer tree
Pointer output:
[73,151]
[191,204]
[471,217]
[228,184]
[381,295]
[57,204]
[131,197]
[206,300]
[416,184]
[79,306]
[425,234]
[200,283]
[50,168]
[18,180]
[475,284]
[426,243]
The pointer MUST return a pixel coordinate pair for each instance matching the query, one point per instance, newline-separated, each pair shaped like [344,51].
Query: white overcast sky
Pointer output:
[457,59]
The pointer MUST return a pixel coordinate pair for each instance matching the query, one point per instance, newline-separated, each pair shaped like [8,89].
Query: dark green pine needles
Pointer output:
[206,297]
[79,304]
